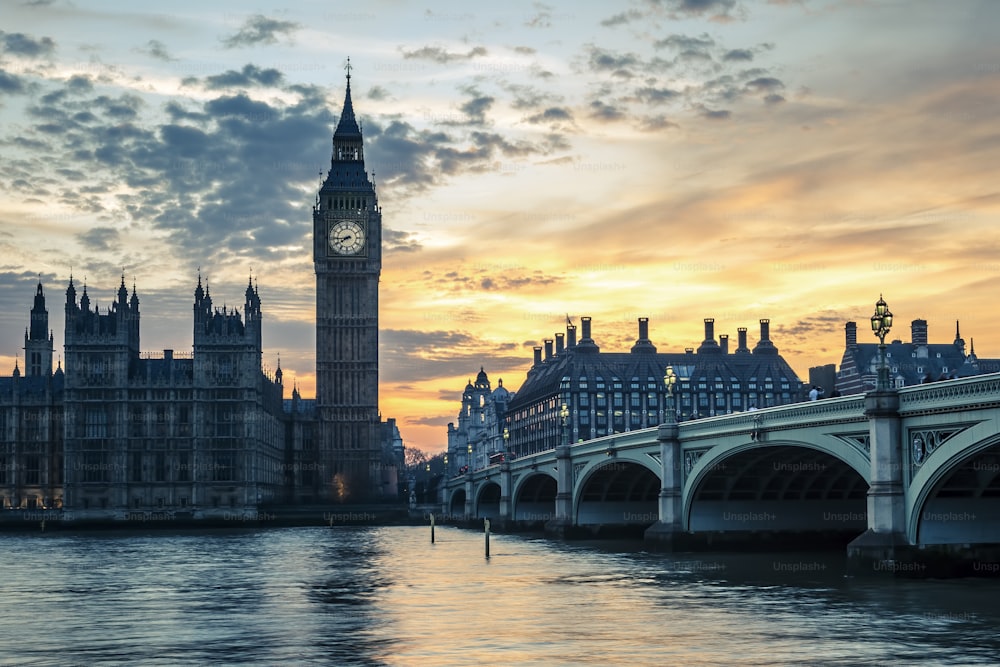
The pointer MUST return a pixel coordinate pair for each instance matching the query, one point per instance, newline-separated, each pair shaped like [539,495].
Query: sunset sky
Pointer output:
[673,159]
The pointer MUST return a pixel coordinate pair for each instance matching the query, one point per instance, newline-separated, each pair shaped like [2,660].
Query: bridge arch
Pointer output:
[534,498]
[487,501]
[778,486]
[456,504]
[617,492]
[956,499]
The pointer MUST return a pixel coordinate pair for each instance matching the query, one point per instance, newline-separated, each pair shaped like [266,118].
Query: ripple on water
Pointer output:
[386,596]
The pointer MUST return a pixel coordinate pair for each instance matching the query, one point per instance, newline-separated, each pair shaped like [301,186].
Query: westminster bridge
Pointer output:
[903,471]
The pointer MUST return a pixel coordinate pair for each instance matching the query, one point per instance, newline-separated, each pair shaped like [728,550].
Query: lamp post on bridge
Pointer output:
[669,380]
[886,540]
[881,324]
[506,444]
[564,415]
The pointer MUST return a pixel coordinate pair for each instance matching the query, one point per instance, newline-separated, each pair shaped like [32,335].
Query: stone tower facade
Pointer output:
[38,339]
[347,250]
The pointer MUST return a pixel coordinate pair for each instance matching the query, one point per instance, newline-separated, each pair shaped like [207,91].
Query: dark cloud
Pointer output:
[622,18]
[773,98]
[156,49]
[19,44]
[552,115]
[476,108]
[394,241]
[656,123]
[508,283]
[525,50]
[602,60]
[418,356]
[412,160]
[123,107]
[765,84]
[605,112]
[651,95]
[249,76]
[490,278]
[688,8]
[530,97]
[100,239]
[715,114]
[735,55]
[177,112]
[685,43]
[12,84]
[78,85]
[440,55]
[378,93]
[724,89]
[259,29]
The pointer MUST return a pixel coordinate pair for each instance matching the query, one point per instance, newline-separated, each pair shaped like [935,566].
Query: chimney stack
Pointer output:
[643,344]
[538,356]
[764,345]
[724,343]
[709,344]
[851,334]
[586,343]
[548,348]
[741,340]
[570,335]
[560,344]
[918,332]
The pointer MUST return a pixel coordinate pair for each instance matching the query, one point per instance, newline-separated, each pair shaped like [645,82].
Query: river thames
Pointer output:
[387,596]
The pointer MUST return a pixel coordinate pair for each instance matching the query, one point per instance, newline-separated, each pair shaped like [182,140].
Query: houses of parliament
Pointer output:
[116,432]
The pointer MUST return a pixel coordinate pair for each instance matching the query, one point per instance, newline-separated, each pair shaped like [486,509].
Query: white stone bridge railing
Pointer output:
[977,392]
[825,411]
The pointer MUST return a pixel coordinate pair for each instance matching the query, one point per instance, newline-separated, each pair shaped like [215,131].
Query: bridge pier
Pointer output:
[884,547]
[561,526]
[667,532]
[506,501]
[470,499]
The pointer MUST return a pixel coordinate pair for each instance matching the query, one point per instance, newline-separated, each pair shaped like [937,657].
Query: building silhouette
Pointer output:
[479,436]
[910,363]
[615,392]
[208,433]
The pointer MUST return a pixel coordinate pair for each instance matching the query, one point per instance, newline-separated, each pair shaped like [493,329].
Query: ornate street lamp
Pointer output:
[506,444]
[564,415]
[669,380]
[469,459]
[881,323]
[447,472]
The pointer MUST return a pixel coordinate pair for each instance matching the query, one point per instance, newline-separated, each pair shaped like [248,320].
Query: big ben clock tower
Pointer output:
[347,250]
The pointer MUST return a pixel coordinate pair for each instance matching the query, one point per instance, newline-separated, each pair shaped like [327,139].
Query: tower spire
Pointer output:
[347,131]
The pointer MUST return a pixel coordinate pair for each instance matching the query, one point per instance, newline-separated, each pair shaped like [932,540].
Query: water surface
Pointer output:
[386,596]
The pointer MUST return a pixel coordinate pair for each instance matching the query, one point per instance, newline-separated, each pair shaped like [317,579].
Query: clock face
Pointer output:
[346,237]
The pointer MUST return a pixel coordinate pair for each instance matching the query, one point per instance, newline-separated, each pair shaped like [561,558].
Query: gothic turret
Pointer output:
[38,341]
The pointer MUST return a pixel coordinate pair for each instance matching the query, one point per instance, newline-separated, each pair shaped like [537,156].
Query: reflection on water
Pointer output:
[386,596]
